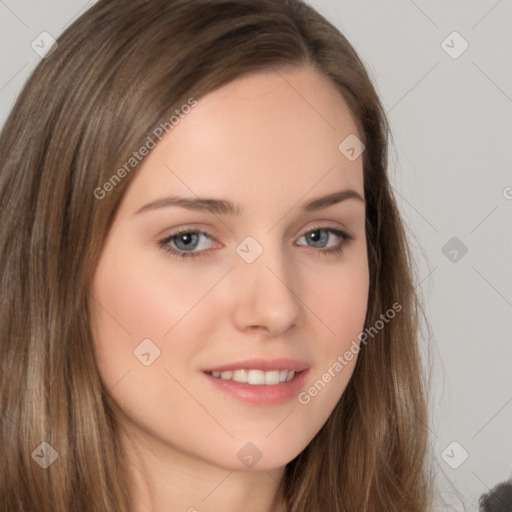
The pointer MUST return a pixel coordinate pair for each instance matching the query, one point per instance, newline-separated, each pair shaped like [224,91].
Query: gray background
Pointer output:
[450,164]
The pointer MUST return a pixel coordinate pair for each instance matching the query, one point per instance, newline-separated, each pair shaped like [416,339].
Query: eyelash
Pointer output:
[337,250]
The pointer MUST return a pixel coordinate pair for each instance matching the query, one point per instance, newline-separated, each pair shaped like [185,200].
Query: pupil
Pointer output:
[317,236]
[186,240]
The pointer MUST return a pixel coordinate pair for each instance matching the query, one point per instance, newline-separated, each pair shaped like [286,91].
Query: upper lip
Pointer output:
[265,365]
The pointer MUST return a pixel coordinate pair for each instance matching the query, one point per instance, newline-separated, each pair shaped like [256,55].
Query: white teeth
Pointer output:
[256,377]
[240,376]
[272,377]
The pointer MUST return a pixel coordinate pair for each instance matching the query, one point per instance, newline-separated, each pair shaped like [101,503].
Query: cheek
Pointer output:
[134,305]
[138,299]
[135,299]
[345,308]
[341,302]
[340,306]
[129,304]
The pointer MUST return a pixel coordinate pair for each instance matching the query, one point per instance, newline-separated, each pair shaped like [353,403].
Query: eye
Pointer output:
[191,243]
[184,243]
[321,236]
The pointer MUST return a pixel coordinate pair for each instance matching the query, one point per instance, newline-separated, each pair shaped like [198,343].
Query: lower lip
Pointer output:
[262,394]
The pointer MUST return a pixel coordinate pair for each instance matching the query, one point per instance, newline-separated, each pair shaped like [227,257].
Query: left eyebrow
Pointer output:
[337,197]
[224,207]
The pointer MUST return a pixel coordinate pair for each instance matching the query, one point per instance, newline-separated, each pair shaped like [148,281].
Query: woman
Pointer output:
[254,370]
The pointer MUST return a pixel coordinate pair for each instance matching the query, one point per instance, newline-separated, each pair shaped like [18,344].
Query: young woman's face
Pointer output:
[277,282]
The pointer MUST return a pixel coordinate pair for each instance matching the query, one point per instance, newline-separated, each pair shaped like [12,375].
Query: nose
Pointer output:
[265,293]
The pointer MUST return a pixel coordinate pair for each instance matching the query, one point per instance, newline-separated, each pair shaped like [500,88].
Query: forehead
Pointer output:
[265,135]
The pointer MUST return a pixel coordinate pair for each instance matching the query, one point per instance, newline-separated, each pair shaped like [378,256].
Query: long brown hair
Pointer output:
[118,72]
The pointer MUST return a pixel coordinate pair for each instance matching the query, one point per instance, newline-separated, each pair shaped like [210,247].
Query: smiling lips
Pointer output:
[260,381]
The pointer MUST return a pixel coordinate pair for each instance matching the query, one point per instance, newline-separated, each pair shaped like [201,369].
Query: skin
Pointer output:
[268,141]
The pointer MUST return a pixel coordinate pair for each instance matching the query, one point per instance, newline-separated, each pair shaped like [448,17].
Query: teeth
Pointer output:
[256,377]
[240,375]
[271,377]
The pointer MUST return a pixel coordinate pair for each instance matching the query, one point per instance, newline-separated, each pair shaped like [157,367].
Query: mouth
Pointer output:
[260,382]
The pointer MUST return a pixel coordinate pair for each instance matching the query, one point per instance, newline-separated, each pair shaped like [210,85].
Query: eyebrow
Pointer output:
[224,207]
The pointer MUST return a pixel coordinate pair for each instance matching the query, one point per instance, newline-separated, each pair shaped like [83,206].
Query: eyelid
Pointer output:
[322,224]
[198,231]
[342,233]
[326,225]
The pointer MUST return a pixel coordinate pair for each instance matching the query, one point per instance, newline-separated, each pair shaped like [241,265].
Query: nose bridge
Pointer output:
[265,283]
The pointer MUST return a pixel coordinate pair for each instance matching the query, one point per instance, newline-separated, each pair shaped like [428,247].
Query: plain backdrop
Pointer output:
[443,71]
